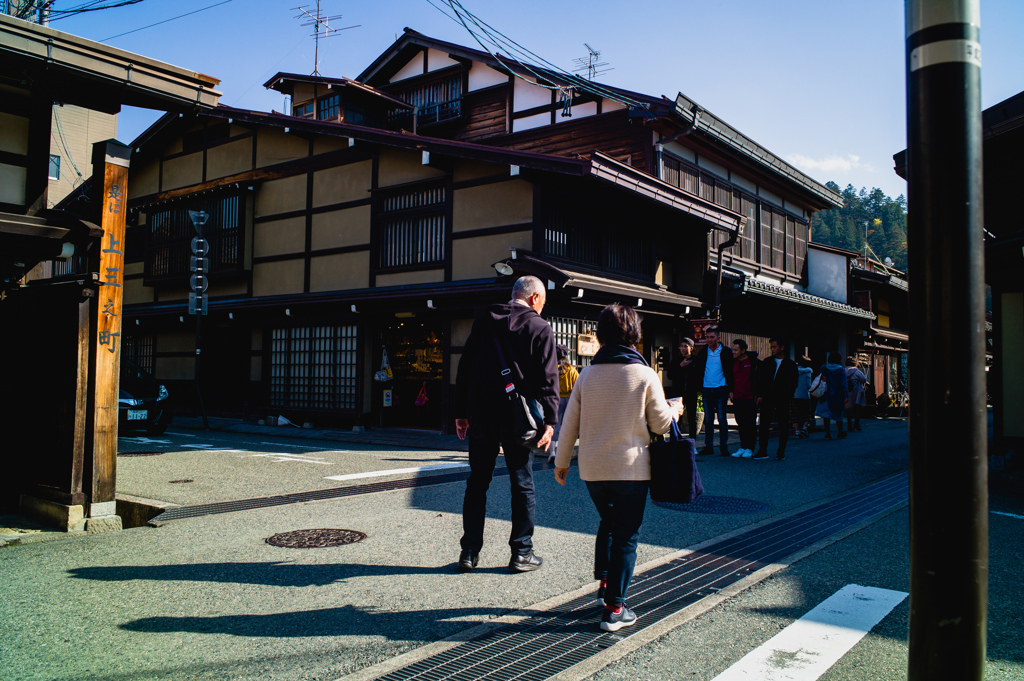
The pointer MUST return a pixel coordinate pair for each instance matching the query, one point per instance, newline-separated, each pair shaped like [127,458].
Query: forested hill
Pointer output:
[885,218]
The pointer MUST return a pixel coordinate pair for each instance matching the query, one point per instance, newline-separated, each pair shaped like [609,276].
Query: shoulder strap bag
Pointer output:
[527,413]
[674,475]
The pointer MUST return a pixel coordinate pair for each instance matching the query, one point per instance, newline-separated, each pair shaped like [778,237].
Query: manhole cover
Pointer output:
[139,453]
[315,539]
[719,505]
[185,480]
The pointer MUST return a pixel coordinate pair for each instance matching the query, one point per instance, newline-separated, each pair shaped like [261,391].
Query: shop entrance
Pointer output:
[416,355]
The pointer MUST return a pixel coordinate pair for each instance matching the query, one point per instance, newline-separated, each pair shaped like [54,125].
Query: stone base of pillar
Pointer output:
[53,514]
[103,523]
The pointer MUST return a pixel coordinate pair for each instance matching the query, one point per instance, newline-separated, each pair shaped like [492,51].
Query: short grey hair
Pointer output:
[527,286]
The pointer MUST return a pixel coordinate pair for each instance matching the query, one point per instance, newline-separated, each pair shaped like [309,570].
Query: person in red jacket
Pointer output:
[744,369]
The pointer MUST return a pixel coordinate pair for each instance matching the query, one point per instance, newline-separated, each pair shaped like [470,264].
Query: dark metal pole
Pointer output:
[199,350]
[948,425]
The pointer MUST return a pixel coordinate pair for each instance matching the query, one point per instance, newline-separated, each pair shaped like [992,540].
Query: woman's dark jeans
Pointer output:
[620,504]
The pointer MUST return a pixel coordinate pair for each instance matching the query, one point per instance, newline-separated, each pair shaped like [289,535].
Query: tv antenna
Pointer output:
[321,29]
[591,64]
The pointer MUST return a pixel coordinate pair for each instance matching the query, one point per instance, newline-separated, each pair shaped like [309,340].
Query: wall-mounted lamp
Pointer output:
[137,323]
[551,285]
[639,302]
[503,268]
[67,249]
[287,312]
[231,315]
[181,319]
[430,305]
[579,293]
[354,309]
[687,309]
[513,249]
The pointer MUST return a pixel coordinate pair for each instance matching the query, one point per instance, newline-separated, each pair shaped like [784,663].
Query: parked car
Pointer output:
[143,403]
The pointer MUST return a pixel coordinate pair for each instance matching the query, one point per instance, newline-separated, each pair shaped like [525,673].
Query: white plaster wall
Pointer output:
[529,95]
[481,76]
[413,68]
[611,105]
[579,111]
[718,169]
[437,60]
[792,208]
[826,275]
[531,122]
[677,149]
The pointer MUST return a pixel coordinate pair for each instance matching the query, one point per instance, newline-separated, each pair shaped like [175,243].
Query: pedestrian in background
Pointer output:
[856,401]
[744,371]
[776,381]
[685,383]
[714,369]
[567,376]
[509,343]
[800,407]
[831,404]
[616,405]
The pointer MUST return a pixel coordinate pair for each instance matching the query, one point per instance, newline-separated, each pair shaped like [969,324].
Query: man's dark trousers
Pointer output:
[485,437]
[690,412]
[774,409]
[746,421]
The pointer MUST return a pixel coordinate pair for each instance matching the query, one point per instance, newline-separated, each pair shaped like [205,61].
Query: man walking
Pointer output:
[776,382]
[714,368]
[508,336]
[744,370]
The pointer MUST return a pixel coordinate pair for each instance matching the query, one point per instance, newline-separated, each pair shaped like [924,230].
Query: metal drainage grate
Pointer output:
[172,482]
[315,539]
[718,505]
[551,642]
[139,453]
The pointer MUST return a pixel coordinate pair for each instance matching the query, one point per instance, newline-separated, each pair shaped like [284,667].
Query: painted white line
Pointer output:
[805,649]
[281,444]
[1009,515]
[396,471]
[279,457]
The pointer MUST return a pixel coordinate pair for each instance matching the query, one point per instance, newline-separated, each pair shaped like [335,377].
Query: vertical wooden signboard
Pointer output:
[110,161]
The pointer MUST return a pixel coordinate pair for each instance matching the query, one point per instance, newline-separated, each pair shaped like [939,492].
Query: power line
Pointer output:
[136,30]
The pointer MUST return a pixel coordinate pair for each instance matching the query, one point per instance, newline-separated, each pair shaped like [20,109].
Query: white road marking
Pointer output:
[278,457]
[145,441]
[396,471]
[1009,515]
[281,444]
[805,649]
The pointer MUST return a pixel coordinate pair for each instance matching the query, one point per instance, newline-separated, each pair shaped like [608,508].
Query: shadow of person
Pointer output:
[348,620]
[270,574]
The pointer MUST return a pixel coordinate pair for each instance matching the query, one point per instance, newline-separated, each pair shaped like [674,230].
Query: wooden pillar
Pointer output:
[110,162]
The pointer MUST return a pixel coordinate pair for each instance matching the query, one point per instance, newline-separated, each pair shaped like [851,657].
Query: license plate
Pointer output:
[137,414]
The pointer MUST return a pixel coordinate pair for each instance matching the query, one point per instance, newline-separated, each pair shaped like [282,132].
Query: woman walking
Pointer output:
[855,382]
[830,406]
[800,406]
[617,403]
[567,376]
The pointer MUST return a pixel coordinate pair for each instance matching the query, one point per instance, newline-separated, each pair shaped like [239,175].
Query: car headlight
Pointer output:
[163,393]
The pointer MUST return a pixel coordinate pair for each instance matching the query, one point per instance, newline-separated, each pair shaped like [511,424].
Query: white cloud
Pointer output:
[830,164]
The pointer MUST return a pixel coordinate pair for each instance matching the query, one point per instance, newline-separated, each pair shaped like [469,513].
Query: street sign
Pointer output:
[197,303]
[200,246]
[200,264]
[199,282]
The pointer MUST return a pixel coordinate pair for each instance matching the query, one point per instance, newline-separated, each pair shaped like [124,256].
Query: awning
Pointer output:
[26,241]
[756,286]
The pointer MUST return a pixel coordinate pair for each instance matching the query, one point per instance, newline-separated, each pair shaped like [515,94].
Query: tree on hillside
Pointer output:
[870,215]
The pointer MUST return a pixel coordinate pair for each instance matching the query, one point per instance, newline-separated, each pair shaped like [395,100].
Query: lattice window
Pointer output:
[778,241]
[567,332]
[314,367]
[765,236]
[139,349]
[170,234]
[438,100]
[412,226]
[327,108]
[801,246]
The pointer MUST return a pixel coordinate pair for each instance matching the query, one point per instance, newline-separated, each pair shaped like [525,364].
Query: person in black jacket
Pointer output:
[713,369]
[509,336]
[683,374]
[776,382]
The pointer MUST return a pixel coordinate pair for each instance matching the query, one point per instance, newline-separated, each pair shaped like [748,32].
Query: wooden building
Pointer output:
[58,409]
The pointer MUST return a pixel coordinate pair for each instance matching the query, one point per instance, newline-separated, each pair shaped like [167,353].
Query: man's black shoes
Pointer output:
[707,451]
[468,560]
[525,562]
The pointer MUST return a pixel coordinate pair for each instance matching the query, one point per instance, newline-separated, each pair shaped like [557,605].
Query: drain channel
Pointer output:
[546,644]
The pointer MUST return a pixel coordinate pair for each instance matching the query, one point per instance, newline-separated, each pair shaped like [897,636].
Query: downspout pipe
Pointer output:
[659,148]
[728,243]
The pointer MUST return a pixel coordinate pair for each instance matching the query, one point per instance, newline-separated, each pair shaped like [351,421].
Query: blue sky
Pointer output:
[819,82]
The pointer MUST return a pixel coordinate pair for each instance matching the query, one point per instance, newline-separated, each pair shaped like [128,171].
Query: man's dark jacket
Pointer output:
[700,363]
[684,379]
[528,346]
[775,385]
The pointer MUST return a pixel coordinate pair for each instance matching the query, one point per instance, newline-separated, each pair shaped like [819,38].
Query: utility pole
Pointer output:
[948,424]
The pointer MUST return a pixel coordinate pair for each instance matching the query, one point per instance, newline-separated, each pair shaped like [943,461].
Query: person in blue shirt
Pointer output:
[714,374]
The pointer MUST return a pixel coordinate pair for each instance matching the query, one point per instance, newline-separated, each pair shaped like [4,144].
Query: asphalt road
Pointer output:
[208,598]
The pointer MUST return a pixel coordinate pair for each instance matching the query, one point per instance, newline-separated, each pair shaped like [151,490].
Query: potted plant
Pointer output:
[700,412]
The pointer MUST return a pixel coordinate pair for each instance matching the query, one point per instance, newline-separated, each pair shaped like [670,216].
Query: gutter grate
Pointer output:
[551,642]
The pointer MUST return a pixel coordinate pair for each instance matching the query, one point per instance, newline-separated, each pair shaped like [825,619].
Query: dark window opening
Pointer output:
[139,349]
[437,101]
[412,226]
[304,110]
[328,108]
[593,237]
